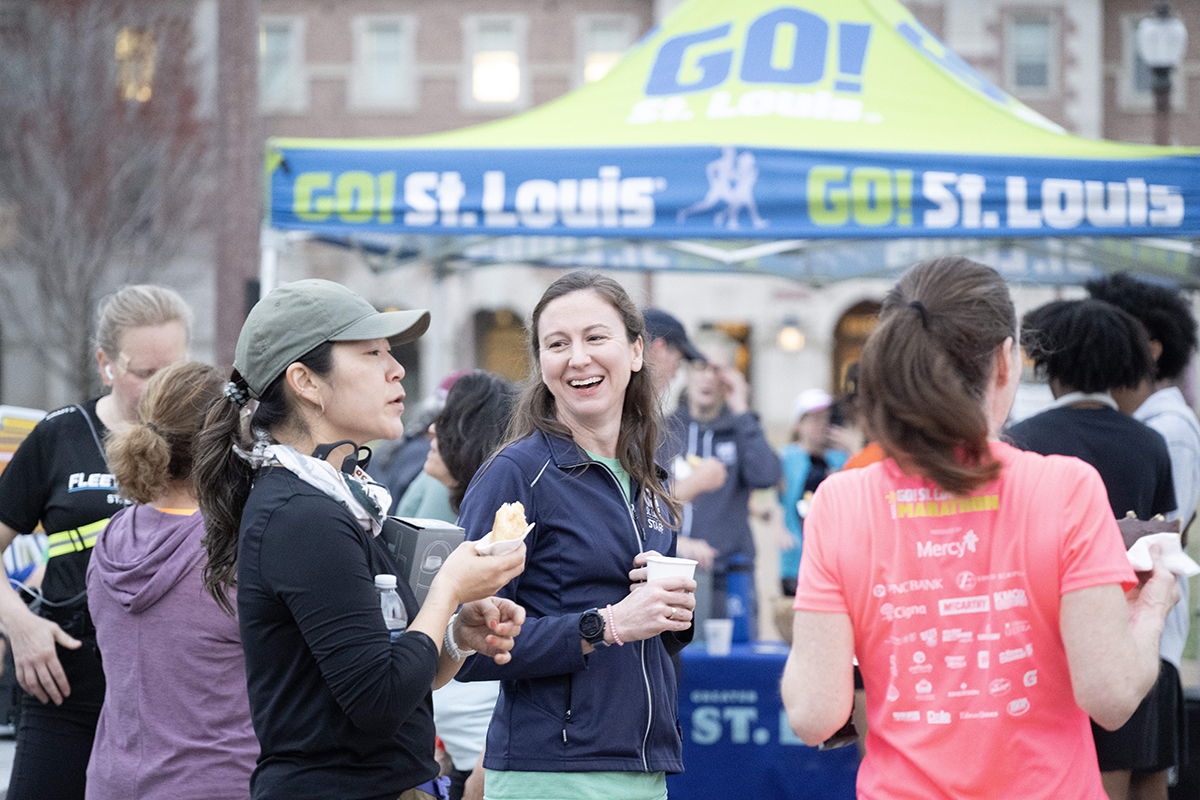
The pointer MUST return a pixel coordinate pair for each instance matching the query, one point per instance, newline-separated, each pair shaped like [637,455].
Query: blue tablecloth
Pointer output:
[736,739]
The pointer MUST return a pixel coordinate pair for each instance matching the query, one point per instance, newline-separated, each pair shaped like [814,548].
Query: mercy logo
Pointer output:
[959,549]
[906,716]
[937,717]
[965,605]
[892,613]
[1010,598]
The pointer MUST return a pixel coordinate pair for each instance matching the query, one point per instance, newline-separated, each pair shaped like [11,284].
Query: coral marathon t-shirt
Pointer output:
[955,603]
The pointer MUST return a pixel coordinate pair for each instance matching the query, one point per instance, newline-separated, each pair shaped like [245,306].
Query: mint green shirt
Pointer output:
[618,470]
[498,785]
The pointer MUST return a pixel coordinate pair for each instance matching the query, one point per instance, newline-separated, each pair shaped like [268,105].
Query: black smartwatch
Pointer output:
[591,628]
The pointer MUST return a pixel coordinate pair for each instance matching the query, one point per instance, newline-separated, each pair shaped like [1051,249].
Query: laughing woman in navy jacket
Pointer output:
[588,703]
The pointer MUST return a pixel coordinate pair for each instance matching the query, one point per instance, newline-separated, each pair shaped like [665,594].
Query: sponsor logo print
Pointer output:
[1000,686]
[965,605]
[929,637]
[987,635]
[1030,678]
[956,662]
[906,716]
[965,580]
[983,658]
[932,549]
[957,635]
[892,664]
[1018,707]
[1016,627]
[1014,655]
[904,587]
[937,717]
[893,694]
[924,687]
[963,691]
[978,714]
[1010,598]
[919,657]
[892,613]
[907,638]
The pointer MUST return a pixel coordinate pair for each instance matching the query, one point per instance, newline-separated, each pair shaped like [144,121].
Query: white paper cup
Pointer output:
[718,636]
[659,567]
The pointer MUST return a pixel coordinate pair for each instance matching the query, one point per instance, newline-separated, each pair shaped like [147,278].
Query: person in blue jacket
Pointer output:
[588,704]
[807,460]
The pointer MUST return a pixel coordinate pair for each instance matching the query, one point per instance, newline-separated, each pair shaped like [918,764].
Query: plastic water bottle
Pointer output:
[394,615]
[738,597]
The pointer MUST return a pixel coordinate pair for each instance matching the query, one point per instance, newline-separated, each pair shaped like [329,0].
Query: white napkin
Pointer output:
[1174,559]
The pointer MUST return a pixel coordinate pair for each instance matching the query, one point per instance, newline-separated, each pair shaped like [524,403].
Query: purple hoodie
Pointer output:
[176,719]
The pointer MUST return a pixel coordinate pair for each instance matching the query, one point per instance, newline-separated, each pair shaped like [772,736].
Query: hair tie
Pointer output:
[920,307]
[154,428]
[237,394]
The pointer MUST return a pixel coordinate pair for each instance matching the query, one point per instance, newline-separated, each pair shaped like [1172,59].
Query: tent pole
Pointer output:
[432,374]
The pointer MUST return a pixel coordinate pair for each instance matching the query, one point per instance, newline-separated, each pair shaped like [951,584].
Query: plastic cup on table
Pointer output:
[659,567]
[718,636]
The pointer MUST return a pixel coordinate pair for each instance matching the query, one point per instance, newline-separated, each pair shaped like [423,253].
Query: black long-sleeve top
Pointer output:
[339,709]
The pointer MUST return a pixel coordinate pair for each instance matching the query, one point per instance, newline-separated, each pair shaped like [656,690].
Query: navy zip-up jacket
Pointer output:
[613,710]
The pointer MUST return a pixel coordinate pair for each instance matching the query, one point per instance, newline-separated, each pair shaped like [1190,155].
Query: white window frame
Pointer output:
[466,96]
[1129,99]
[406,97]
[583,26]
[296,100]
[1053,67]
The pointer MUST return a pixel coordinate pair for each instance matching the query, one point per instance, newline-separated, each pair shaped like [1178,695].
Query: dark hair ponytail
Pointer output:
[223,477]
[924,371]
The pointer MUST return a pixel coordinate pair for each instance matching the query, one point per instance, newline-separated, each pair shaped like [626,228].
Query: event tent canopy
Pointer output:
[788,124]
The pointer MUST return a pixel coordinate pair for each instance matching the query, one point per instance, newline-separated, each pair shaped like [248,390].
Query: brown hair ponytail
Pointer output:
[924,372]
[157,450]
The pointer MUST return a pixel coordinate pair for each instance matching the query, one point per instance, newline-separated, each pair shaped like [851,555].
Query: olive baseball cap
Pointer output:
[296,317]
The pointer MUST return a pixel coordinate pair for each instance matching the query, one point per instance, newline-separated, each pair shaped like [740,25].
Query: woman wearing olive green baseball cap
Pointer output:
[341,704]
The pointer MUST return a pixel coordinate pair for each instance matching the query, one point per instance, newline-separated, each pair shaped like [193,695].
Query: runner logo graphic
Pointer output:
[731,179]
[936,549]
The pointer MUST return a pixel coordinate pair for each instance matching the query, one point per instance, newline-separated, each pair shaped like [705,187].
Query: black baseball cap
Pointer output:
[661,325]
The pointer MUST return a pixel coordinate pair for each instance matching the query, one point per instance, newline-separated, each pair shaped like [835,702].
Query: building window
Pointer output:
[384,62]
[495,76]
[135,50]
[1031,56]
[282,83]
[600,41]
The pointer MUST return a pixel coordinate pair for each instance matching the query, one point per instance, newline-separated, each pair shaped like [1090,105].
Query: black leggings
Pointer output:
[55,742]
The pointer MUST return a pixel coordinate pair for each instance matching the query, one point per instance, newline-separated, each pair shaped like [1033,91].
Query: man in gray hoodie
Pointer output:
[716,422]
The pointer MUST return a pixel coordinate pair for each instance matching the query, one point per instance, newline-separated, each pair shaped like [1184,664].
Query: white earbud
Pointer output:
[108,372]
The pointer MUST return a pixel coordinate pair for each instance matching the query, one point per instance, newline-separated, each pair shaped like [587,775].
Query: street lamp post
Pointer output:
[1162,41]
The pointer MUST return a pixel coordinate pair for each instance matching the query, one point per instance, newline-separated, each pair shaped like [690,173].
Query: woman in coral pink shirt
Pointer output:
[982,589]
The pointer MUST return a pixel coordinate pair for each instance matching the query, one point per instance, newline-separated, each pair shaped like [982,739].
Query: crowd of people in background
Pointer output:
[207,619]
